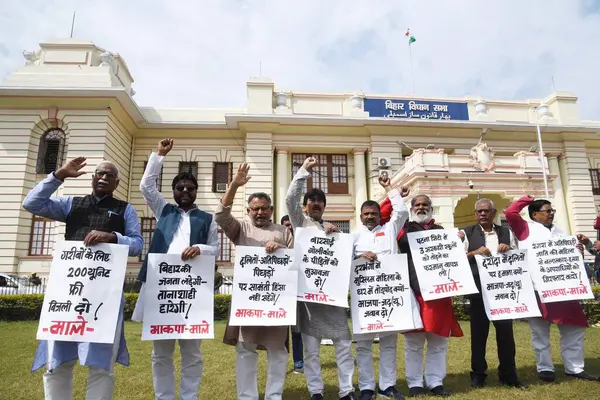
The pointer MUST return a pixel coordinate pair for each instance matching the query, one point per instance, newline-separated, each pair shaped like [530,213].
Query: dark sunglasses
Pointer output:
[181,188]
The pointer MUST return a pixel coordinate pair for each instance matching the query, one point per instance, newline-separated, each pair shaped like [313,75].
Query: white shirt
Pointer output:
[491,240]
[382,239]
[156,202]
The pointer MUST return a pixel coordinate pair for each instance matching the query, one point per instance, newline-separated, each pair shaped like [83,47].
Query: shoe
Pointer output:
[367,395]
[517,384]
[299,367]
[477,382]
[349,396]
[584,375]
[316,397]
[390,393]
[547,376]
[326,342]
[416,391]
[440,391]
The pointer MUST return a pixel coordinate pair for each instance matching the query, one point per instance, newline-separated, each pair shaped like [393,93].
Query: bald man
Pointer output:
[93,219]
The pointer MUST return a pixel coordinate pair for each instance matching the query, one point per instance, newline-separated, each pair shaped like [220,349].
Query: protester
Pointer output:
[485,238]
[259,231]
[319,321]
[373,240]
[95,218]
[180,229]
[439,322]
[568,315]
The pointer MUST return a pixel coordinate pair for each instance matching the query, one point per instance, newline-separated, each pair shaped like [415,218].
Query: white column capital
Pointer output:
[282,150]
[359,150]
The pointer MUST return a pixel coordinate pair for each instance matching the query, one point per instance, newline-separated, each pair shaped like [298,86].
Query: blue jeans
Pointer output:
[297,350]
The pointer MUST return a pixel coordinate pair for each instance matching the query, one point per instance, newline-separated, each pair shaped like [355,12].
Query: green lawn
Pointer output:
[135,382]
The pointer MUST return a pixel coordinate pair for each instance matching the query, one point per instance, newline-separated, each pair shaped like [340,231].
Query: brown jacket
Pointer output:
[246,234]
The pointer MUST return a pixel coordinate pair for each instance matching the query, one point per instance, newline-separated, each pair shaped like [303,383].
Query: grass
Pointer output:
[135,383]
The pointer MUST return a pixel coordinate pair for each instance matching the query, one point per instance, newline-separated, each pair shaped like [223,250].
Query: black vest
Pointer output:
[404,248]
[476,237]
[88,214]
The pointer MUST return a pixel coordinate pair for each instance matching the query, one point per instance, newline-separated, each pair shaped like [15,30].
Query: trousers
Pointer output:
[435,362]
[297,348]
[163,370]
[505,340]
[247,371]
[571,346]
[387,363]
[58,384]
[312,365]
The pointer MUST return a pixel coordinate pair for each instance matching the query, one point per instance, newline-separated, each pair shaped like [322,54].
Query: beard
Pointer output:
[421,218]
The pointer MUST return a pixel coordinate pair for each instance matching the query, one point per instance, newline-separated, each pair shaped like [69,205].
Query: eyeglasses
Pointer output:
[102,174]
[257,209]
[549,211]
[181,188]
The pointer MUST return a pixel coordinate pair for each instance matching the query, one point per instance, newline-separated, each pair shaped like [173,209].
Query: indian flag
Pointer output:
[411,38]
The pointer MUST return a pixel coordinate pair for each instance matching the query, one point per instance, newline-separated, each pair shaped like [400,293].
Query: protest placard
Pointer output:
[557,270]
[264,287]
[381,298]
[325,263]
[506,286]
[84,292]
[179,297]
[441,264]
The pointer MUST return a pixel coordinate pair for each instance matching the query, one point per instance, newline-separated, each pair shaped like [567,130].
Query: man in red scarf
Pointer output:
[568,315]
[439,322]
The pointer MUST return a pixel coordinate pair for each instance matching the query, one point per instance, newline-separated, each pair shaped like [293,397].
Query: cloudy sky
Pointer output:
[199,53]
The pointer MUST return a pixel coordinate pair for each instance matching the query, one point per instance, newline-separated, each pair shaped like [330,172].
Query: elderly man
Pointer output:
[95,218]
[485,238]
[259,231]
[439,322]
[319,321]
[568,315]
[373,240]
[180,229]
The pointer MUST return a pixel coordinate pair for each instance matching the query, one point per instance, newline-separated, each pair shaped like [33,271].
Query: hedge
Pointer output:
[28,307]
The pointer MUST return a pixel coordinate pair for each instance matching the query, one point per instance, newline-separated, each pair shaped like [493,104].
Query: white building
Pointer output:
[72,98]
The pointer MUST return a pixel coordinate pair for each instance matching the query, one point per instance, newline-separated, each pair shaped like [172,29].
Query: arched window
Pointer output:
[51,151]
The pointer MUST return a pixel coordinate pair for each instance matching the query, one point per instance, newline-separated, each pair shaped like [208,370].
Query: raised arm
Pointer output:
[133,235]
[399,211]
[39,201]
[230,225]
[148,185]
[294,193]
[513,217]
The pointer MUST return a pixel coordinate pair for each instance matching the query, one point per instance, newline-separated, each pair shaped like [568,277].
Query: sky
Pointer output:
[200,53]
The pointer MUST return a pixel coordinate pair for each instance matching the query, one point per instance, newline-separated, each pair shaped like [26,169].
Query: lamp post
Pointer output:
[542,110]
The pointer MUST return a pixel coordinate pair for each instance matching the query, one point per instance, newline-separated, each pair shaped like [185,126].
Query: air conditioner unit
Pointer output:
[384,162]
[221,187]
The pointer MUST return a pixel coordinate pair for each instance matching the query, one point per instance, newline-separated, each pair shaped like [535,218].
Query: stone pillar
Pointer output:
[578,196]
[283,182]
[558,202]
[259,156]
[360,181]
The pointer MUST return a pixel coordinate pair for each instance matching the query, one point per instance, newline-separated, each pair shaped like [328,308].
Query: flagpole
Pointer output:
[539,137]
[411,66]
[73,24]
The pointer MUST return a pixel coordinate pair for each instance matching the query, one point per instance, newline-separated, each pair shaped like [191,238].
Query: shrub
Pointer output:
[21,307]
[28,307]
